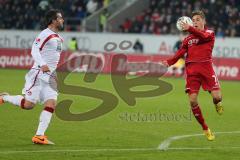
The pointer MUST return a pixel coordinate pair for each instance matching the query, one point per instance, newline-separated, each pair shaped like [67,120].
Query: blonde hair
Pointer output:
[200,13]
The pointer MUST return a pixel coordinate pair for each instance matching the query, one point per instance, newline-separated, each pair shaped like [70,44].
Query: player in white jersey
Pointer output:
[38,87]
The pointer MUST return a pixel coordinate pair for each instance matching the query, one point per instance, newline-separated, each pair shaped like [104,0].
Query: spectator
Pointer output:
[127,25]
[106,3]
[138,46]
[103,20]
[44,5]
[80,14]
[92,6]
[220,33]
[73,44]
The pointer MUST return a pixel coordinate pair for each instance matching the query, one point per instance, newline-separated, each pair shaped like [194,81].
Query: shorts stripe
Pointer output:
[35,79]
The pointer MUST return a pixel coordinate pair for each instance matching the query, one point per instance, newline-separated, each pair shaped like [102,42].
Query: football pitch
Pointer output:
[126,133]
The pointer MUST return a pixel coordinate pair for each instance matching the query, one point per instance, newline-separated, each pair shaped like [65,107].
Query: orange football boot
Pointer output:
[41,140]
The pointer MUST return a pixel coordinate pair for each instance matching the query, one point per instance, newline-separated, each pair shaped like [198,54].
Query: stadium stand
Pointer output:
[27,14]
[160,17]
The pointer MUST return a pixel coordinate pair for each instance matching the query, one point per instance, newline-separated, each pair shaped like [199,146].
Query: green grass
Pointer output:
[112,131]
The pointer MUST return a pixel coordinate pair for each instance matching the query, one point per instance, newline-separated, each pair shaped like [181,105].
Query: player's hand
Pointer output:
[185,26]
[165,63]
[45,68]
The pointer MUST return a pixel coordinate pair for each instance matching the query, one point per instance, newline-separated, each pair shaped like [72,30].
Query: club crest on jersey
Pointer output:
[29,93]
[193,41]
[37,40]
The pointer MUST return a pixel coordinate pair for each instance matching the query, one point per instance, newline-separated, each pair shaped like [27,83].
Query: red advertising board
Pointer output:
[225,68]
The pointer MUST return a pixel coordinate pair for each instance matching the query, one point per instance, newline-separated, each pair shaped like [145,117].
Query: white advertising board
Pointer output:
[153,44]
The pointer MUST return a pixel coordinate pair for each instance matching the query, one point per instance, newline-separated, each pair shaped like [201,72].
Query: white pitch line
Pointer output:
[163,146]
[112,150]
[166,143]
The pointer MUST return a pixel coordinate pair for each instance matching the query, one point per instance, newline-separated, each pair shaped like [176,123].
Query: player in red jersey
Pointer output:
[199,70]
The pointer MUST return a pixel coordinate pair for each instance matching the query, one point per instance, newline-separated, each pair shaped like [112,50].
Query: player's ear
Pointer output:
[54,20]
[204,21]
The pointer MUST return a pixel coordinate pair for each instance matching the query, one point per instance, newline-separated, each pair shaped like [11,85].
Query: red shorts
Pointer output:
[200,74]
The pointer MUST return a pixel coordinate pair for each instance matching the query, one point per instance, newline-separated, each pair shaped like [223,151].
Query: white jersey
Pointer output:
[46,49]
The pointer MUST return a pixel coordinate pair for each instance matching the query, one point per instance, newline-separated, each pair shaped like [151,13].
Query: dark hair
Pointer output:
[199,12]
[51,15]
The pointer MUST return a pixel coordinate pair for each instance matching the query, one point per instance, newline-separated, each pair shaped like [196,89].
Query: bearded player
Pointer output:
[199,69]
[45,51]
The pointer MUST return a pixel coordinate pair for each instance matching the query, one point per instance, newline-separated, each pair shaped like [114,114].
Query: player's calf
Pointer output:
[193,100]
[217,100]
[17,100]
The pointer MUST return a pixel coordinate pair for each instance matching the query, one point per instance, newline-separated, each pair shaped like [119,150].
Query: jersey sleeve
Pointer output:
[206,35]
[35,52]
[179,54]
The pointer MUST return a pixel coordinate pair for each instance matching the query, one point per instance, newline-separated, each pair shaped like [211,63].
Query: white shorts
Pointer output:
[39,87]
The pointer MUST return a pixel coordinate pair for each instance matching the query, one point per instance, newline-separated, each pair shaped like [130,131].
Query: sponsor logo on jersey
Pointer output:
[59,46]
[193,41]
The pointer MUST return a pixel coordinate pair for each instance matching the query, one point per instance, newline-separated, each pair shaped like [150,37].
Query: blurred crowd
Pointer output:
[161,16]
[29,14]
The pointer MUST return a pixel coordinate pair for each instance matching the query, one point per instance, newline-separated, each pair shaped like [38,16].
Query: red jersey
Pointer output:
[198,46]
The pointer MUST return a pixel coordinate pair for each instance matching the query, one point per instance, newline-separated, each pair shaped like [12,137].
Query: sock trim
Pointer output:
[22,103]
[49,109]
[195,107]
[216,101]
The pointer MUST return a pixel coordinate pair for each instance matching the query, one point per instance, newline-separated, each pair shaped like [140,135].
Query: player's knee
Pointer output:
[217,99]
[193,100]
[28,105]
[193,103]
[50,103]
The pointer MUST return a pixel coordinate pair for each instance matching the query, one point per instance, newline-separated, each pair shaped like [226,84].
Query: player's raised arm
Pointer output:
[204,35]
[197,27]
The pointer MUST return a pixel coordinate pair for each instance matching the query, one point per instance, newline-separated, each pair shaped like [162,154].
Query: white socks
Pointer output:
[45,116]
[44,120]
[16,100]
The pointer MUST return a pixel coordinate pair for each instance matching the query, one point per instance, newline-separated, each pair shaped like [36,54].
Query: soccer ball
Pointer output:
[183,19]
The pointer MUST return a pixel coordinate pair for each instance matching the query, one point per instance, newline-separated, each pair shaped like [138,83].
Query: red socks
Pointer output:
[198,115]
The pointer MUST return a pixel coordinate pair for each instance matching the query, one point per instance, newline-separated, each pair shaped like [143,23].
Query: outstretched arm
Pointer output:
[180,53]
